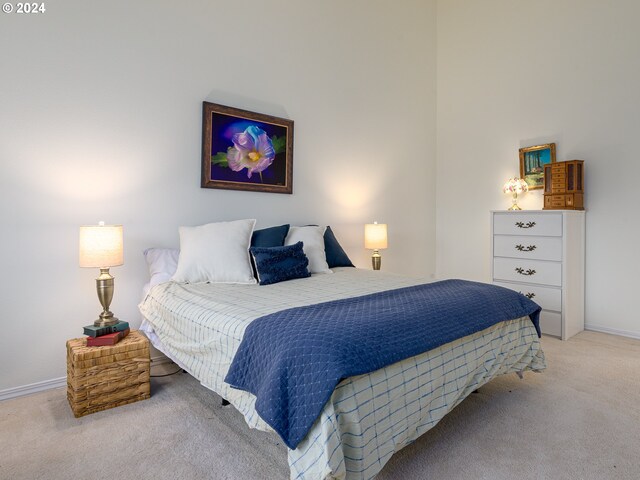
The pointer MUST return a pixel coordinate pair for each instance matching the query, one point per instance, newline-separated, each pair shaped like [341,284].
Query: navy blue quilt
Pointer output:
[292,360]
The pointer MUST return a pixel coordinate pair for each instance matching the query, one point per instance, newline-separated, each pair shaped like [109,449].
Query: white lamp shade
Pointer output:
[101,246]
[375,236]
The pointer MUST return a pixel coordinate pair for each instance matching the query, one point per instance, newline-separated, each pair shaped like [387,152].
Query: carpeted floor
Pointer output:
[578,420]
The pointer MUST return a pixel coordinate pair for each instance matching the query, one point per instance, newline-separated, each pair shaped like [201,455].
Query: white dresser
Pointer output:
[540,253]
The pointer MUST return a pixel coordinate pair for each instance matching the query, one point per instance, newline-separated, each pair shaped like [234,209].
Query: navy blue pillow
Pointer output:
[277,264]
[336,256]
[270,237]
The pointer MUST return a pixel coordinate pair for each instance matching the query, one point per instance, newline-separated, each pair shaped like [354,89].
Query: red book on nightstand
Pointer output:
[108,339]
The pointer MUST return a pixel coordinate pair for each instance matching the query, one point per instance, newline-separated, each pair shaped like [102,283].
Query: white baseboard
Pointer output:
[160,359]
[612,331]
[33,388]
[24,390]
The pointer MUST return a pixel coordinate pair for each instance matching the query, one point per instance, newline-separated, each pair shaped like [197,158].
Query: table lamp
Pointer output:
[515,186]
[101,247]
[375,238]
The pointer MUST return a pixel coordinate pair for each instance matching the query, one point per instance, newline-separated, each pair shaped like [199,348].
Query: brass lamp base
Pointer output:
[514,203]
[105,322]
[104,286]
[376,260]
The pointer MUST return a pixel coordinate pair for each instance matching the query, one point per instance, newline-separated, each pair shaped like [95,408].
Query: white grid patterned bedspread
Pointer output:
[369,417]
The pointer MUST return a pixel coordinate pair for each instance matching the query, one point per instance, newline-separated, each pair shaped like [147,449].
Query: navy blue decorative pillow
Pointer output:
[277,264]
[336,256]
[270,237]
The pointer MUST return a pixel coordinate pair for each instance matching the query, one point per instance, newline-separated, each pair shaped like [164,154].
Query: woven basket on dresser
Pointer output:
[99,378]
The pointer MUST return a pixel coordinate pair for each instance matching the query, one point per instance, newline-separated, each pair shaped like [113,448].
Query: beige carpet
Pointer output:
[578,420]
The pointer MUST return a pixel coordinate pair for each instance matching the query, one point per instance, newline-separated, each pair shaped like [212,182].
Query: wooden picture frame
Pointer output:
[532,162]
[243,150]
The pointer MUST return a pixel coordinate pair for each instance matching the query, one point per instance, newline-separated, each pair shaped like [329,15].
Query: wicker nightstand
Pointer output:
[99,378]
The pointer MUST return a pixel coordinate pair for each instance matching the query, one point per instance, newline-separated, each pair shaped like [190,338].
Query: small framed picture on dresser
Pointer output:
[532,162]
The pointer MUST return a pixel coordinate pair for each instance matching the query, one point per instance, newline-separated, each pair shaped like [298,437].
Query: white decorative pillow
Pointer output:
[312,238]
[162,263]
[216,253]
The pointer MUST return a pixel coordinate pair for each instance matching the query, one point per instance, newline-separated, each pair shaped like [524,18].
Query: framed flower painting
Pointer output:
[244,150]
[532,162]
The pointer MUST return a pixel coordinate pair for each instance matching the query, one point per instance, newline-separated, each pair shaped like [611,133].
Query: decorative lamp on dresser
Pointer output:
[540,253]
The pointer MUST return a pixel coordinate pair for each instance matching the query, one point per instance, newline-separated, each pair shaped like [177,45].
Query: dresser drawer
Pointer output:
[528,224]
[539,272]
[537,248]
[551,323]
[548,298]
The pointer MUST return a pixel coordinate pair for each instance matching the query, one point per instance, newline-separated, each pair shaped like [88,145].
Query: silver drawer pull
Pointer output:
[525,225]
[522,248]
[529,295]
[527,272]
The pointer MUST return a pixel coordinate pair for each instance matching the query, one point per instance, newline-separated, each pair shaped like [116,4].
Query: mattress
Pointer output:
[368,417]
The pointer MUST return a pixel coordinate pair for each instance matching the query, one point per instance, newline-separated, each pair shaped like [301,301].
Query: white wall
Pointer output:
[100,119]
[519,73]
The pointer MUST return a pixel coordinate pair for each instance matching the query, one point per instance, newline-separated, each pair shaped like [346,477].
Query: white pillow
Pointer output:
[216,253]
[162,263]
[312,238]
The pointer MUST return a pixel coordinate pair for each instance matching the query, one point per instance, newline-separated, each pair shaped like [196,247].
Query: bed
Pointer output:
[368,417]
